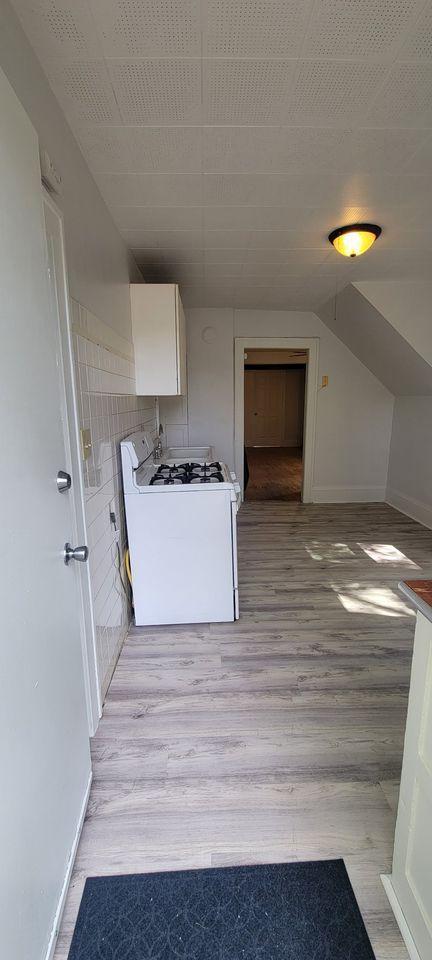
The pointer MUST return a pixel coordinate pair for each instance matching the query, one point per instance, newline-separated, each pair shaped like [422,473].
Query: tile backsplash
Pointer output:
[109,409]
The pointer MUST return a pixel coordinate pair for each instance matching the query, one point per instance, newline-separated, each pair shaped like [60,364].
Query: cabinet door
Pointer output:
[155,337]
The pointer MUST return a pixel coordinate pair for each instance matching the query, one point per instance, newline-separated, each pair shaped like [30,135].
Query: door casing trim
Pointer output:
[311,344]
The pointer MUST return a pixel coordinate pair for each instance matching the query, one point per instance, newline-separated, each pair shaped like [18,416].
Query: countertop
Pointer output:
[420,594]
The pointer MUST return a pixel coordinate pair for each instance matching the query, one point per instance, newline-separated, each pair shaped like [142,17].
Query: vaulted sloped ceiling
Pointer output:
[228,137]
[377,342]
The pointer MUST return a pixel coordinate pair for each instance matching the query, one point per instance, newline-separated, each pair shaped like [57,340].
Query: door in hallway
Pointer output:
[45,746]
[264,408]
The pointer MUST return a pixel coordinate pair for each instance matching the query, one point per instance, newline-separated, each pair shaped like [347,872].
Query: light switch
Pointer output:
[324,381]
[86,444]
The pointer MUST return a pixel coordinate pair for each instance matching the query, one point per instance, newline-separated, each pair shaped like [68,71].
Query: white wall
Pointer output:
[410,467]
[354,413]
[109,409]
[99,269]
[99,265]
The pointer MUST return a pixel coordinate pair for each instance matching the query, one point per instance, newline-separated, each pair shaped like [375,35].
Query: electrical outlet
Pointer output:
[113,522]
[112,512]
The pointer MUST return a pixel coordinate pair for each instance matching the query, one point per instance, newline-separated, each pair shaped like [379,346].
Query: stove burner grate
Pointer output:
[186,473]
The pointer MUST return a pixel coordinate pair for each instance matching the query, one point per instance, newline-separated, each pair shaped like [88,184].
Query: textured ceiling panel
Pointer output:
[158,218]
[274,189]
[250,189]
[289,239]
[226,255]
[168,189]
[382,151]
[421,161]
[214,270]
[255,218]
[359,28]
[84,91]
[247,91]
[227,238]
[168,240]
[418,46]
[135,149]
[157,91]
[60,30]
[149,28]
[274,149]
[264,28]
[229,136]
[338,91]
[406,97]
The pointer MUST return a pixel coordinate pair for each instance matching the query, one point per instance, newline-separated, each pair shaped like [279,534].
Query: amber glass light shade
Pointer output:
[355,239]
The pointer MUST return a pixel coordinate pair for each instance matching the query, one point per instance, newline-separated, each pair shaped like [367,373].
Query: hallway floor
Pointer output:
[276,473]
[275,738]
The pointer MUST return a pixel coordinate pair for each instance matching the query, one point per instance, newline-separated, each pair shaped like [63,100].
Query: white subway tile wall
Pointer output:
[109,409]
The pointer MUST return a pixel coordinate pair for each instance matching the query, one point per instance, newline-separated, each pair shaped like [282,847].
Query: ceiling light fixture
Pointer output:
[355,239]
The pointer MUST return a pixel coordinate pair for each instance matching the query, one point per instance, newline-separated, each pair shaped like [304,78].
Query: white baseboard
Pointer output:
[412,508]
[348,494]
[62,899]
[399,917]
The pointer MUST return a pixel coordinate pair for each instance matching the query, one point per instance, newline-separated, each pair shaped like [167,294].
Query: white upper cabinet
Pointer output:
[159,336]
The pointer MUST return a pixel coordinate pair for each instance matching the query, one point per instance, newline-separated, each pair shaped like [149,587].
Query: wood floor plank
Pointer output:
[275,738]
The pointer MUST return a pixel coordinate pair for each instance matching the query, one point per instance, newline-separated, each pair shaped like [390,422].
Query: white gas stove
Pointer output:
[181,522]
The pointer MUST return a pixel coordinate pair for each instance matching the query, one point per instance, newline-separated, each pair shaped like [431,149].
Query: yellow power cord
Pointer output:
[127,565]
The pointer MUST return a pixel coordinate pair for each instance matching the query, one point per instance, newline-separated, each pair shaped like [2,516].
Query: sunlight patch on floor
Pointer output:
[381,601]
[387,553]
[330,552]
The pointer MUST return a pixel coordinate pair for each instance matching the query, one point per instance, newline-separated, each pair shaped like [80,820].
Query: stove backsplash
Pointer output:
[110,409]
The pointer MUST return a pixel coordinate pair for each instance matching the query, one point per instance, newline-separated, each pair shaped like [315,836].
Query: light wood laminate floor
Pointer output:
[275,738]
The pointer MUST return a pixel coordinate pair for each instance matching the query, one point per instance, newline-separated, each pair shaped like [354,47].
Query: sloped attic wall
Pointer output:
[407,305]
[388,325]
[378,343]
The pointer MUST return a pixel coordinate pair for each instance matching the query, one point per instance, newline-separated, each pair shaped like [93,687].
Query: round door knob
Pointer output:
[75,553]
[63,481]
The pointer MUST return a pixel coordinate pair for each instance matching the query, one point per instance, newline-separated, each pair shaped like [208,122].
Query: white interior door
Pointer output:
[59,298]
[45,757]
[264,407]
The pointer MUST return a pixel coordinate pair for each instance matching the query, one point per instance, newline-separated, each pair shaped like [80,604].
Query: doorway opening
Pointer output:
[274,404]
[275,394]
